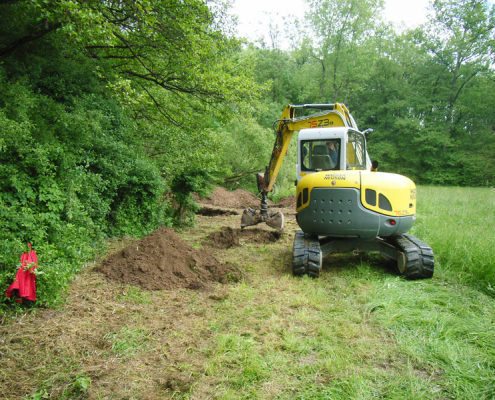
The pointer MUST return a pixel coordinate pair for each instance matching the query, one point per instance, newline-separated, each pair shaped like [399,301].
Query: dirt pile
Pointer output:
[239,198]
[162,260]
[287,202]
[228,237]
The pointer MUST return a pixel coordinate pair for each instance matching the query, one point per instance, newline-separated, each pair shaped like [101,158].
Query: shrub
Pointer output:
[183,185]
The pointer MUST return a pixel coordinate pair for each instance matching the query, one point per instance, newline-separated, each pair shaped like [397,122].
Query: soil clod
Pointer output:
[214,212]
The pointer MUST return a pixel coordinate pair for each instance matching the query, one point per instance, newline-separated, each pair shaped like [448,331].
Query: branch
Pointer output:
[456,95]
[26,39]
[161,109]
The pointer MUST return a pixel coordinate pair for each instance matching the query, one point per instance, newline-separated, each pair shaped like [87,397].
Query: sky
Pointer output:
[254,16]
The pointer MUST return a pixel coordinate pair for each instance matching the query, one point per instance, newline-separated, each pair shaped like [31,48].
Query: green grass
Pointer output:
[134,294]
[447,329]
[459,224]
[355,333]
[305,339]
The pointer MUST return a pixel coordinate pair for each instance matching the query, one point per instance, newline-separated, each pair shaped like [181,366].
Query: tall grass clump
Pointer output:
[459,224]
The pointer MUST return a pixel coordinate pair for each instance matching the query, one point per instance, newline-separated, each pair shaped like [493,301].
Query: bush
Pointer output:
[70,175]
[184,184]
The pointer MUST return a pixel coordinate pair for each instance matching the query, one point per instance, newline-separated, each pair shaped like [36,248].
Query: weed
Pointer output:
[42,394]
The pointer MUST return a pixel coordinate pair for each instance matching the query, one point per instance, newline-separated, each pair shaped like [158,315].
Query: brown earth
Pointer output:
[162,260]
[287,202]
[215,212]
[228,237]
[239,198]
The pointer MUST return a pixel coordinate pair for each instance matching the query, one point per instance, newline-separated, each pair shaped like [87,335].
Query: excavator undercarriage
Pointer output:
[413,258]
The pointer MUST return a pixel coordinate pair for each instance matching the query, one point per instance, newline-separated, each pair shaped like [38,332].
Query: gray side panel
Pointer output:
[338,212]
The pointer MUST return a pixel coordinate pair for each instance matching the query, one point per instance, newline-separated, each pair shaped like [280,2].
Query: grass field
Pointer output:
[459,224]
[358,332]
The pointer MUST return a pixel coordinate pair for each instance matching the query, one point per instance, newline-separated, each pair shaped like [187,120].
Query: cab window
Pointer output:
[355,151]
[320,155]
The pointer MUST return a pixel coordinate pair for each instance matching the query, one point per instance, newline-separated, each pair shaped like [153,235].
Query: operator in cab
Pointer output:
[332,152]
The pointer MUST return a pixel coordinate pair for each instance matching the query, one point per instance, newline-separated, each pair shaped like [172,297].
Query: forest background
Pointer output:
[113,112]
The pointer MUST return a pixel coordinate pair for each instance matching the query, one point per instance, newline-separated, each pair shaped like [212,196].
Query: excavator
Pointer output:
[343,203]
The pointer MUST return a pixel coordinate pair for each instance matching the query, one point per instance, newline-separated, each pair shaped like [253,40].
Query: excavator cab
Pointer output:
[331,149]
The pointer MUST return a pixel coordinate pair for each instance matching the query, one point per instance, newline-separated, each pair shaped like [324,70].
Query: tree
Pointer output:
[99,98]
[391,103]
[337,43]
[171,57]
[460,38]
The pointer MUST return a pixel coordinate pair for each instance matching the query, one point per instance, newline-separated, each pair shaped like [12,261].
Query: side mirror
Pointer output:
[374,166]
[369,130]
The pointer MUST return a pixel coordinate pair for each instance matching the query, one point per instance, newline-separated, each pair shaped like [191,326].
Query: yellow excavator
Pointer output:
[343,203]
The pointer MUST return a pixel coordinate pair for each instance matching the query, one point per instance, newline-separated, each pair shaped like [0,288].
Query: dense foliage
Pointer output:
[104,104]
[108,105]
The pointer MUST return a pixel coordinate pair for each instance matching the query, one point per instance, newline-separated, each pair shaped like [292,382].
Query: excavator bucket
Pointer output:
[249,218]
[274,219]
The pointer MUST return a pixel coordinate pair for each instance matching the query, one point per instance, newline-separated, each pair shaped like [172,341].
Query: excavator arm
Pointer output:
[330,115]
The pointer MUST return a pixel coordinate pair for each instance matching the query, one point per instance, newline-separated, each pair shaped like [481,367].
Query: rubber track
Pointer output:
[306,257]
[420,261]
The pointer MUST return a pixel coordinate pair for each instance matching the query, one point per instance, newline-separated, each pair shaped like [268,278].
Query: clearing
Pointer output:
[213,312]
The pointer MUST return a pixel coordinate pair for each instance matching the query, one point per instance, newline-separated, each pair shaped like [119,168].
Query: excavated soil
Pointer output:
[162,260]
[287,202]
[239,198]
[215,212]
[228,237]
